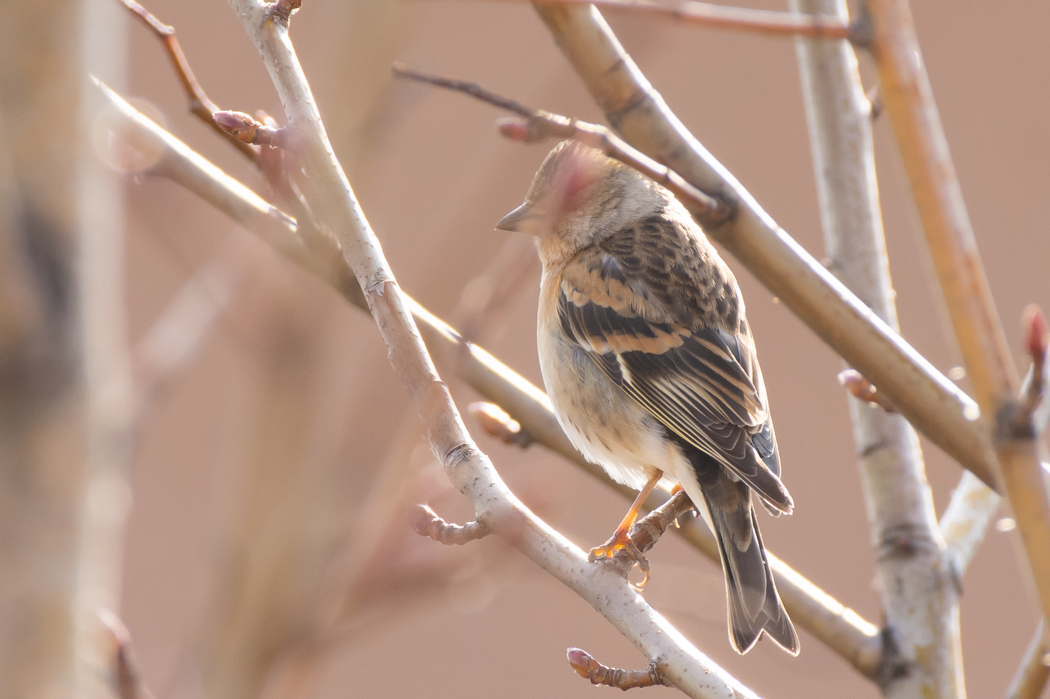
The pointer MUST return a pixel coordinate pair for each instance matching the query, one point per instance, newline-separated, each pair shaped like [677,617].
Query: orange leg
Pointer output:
[621,538]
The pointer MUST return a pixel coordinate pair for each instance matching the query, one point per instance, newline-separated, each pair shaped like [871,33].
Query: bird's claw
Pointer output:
[623,542]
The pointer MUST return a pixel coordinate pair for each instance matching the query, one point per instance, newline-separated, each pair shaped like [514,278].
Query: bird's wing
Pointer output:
[643,323]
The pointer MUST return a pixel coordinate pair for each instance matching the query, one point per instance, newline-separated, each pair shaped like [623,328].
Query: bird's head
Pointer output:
[578,197]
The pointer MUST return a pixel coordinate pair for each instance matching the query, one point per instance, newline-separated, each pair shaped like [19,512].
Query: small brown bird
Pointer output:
[650,364]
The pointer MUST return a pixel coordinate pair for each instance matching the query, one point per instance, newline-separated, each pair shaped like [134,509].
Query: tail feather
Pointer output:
[754,605]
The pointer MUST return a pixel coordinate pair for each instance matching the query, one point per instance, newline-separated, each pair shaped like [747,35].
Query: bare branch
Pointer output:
[539,125]
[598,674]
[467,468]
[840,627]
[744,19]
[126,678]
[966,520]
[200,104]
[932,403]
[430,525]
[918,591]
[909,103]
[1034,671]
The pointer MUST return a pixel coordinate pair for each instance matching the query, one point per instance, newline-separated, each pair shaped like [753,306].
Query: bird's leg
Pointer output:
[621,538]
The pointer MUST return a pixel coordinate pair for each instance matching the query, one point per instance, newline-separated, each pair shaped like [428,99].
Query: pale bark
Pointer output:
[909,103]
[923,653]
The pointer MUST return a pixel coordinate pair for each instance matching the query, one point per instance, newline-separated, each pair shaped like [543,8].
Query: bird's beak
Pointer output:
[515,221]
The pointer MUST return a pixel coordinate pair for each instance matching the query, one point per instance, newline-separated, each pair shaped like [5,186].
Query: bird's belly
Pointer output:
[601,421]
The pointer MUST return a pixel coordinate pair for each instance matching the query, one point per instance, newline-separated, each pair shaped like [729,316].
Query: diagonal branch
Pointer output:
[909,102]
[1033,673]
[934,405]
[836,625]
[470,470]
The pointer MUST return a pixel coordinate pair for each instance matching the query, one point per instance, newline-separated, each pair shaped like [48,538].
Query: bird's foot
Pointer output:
[621,541]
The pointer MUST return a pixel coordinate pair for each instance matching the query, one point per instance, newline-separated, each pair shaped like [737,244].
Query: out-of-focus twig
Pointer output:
[909,102]
[930,401]
[497,423]
[598,674]
[1030,679]
[126,678]
[180,329]
[840,627]
[861,389]
[743,19]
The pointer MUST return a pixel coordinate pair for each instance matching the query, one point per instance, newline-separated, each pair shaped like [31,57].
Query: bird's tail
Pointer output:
[754,605]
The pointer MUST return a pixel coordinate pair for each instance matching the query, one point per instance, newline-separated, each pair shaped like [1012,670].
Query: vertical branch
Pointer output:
[915,581]
[909,103]
[104,360]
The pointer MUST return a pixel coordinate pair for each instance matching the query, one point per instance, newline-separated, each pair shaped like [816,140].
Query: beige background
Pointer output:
[433,177]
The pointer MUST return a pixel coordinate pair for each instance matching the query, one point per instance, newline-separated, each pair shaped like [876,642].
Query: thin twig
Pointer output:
[598,674]
[909,102]
[430,525]
[744,19]
[200,103]
[1032,674]
[539,125]
[838,626]
[928,399]
[468,469]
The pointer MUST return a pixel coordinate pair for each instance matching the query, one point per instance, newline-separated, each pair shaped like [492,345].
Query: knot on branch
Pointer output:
[281,11]
[904,541]
[247,129]
[598,674]
[458,454]
[892,665]
[429,524]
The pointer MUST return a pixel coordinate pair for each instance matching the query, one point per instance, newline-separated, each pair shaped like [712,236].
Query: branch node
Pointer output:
[1036,342]
[247,129]
[862,389]
[281,11]
[586,666]
[429,524]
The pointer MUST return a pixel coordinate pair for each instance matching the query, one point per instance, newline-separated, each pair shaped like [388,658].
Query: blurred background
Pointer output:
[268,547]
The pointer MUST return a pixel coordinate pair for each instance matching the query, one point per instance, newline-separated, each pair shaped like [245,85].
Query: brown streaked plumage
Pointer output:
[650,363]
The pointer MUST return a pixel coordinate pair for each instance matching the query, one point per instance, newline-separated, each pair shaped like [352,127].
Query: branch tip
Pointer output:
[429,524]
[586,666]
[497,423]
[862,389]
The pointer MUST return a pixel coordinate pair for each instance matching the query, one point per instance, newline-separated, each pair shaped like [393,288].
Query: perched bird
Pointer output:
[650,364]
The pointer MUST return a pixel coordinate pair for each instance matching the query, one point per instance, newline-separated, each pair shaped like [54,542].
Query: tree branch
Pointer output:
[469,469]
[917,585]
[908,100]
[841,628]
[934,405]
[1030,679]
[744,19]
